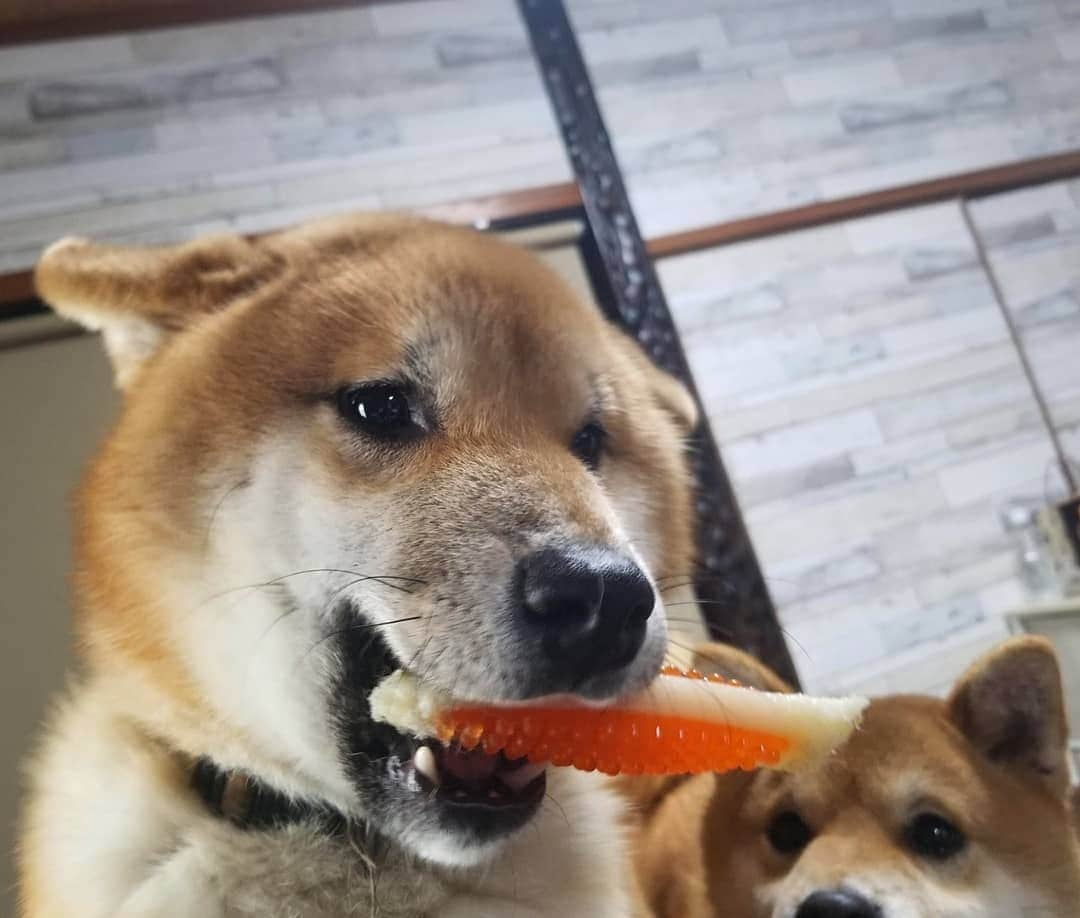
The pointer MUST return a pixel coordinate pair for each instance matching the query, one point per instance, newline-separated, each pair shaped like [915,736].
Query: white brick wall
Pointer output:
[716,111]
[873,416]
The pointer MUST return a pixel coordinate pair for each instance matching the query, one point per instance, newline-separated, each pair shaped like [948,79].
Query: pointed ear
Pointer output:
[732,663]
[675,399]
[1011,706]
[668,392]
[138,297]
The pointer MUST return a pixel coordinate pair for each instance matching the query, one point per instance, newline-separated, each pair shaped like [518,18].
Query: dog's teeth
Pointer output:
[521,777]
[424,762]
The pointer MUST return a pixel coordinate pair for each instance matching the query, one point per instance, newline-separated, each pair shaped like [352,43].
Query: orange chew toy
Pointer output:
[683,723]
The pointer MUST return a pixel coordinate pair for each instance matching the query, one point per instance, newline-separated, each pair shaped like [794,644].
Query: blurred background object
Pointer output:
[865,216]
[1034,561]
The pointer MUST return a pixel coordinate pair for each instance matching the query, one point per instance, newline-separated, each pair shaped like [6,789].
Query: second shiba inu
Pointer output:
[363,444]
[933,809]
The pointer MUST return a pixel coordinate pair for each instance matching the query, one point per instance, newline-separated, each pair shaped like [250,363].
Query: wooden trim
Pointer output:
[105,16]
[506,208]
[978,183]
[565,196]
[15,287]
[511,205]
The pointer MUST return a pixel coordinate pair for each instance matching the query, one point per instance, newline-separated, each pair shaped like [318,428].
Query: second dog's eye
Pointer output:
[588,444]
[788,833]
[934,837]
[379,409]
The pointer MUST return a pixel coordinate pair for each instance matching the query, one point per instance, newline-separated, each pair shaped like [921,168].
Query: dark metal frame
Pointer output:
[729,583]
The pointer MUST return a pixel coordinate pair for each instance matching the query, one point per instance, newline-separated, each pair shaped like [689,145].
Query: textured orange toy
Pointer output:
[683,723]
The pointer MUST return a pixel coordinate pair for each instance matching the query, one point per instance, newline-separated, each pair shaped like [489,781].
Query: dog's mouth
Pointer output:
[475,780]
[471,793]
[476,797]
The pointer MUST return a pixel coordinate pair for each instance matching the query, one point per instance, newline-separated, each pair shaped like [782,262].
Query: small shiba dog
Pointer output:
[362,444]
[933,809]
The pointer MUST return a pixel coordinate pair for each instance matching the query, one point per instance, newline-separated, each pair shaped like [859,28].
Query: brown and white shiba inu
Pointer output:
[933,809]
[363,444]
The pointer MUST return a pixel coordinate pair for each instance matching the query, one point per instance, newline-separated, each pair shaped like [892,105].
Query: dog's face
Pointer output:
[366,444]
[932,810]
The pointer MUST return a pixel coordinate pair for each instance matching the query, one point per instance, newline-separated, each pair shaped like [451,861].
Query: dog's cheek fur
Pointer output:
[258,643]
[251,604]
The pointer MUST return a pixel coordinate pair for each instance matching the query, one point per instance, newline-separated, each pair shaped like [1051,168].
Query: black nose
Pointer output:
[837,903]
[589,608]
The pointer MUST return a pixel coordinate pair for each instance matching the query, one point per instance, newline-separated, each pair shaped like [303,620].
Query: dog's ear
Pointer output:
[674,398]
[668,392]
[732,663]
[138,297]
[1011,706]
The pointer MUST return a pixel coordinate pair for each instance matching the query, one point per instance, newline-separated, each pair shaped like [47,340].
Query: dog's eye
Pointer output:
[788,833]
[588,444]
[934,837]
[379,409]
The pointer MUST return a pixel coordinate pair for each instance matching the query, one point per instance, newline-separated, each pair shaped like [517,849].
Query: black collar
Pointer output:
[248,803]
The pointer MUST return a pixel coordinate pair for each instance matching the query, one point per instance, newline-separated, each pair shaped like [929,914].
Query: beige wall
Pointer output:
[56,400]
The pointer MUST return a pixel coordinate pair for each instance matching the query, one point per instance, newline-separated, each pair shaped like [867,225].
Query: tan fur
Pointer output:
[228,352]
[702,851]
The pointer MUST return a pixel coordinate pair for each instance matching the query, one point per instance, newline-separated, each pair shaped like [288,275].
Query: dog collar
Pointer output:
[250,804]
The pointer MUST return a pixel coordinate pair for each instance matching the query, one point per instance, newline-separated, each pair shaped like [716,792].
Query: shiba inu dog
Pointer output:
[933,809]
[363,444]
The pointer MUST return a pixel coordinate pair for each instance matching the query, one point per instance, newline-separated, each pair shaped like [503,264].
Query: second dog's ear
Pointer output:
[138,297]
[1011,706]
[728,661]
